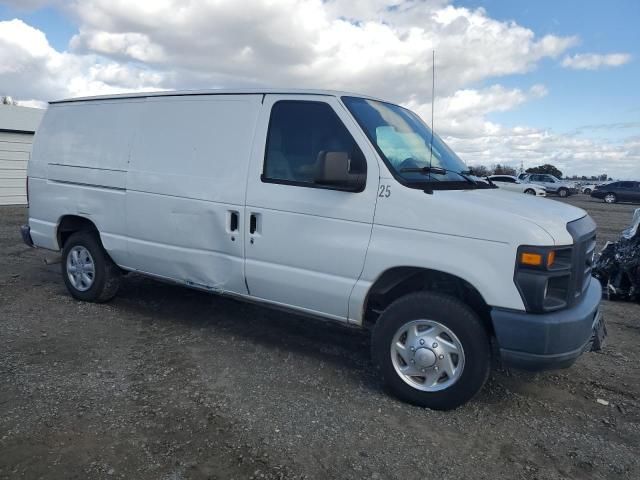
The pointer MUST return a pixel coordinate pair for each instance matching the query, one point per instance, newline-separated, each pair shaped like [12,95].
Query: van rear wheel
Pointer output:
[87,270]
[563,192]
[432,350]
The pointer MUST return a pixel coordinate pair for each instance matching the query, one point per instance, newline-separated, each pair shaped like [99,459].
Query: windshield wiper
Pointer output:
[438,171]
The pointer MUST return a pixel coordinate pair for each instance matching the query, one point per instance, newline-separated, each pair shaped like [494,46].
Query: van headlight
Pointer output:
[543,276]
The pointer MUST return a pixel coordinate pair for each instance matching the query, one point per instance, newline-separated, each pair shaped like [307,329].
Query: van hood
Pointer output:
[550,215]
[495,215]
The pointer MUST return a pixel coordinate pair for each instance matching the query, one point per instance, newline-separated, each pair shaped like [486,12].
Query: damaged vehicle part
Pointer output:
[618,264]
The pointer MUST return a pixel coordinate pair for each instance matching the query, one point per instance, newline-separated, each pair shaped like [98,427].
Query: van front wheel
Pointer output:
[88,272]
[432,350]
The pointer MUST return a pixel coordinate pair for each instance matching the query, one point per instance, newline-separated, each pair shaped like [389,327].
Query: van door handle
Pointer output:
[253,223]
[233,222]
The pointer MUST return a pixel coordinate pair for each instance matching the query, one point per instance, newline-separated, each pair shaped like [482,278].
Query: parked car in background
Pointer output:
[618,192]
[587,188]
[509,182]
[551,184]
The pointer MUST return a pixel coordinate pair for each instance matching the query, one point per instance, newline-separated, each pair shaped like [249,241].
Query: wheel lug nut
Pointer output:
[436,368]
[413,349]
[413,361]
[440,356]
[422,341]
[435,345]
[424,369]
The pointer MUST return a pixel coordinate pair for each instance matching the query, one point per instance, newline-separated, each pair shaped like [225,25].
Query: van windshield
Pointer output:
[404,142]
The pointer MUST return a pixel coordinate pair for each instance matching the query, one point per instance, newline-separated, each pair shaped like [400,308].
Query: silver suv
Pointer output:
[550,183]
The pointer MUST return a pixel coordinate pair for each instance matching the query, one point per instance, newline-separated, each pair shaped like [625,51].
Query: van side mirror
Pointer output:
[334,169]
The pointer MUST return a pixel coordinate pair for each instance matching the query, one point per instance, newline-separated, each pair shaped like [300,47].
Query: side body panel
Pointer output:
[310,243]
[186,181]
[456,232]
[78,167]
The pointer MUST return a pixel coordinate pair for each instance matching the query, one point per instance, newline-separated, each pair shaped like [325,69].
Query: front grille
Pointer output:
[583,232]
[590,248]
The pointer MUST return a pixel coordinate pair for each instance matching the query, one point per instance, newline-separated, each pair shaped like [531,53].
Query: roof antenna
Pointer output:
[433,101]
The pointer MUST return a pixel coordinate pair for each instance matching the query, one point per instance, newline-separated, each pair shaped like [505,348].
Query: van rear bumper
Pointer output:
[552,340]
[25,231]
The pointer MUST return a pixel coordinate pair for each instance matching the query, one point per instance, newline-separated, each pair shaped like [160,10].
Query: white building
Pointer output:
[17,126]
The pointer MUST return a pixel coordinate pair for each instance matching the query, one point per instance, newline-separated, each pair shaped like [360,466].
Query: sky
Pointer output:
[517,82]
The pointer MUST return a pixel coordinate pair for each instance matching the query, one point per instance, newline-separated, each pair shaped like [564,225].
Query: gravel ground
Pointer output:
[168,383]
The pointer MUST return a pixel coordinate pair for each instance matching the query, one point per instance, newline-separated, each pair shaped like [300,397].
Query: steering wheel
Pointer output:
[408,163]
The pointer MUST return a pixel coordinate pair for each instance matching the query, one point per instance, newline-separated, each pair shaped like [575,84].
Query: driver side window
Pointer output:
[303,136]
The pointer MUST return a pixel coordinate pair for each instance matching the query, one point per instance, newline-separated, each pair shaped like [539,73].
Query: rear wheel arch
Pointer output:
[70,224]
[398,282]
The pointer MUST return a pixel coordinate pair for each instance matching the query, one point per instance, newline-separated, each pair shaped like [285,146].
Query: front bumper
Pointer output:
[25,231]
[551,340]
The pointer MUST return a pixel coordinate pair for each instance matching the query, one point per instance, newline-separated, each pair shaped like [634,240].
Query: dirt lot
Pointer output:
[168,383]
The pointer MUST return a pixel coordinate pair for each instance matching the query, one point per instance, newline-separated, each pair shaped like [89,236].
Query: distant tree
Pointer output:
[6,100]
[603,177]
[479,171]
[504,170]
[546,168]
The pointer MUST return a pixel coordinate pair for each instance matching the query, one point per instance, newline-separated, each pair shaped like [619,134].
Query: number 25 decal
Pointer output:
[384,191]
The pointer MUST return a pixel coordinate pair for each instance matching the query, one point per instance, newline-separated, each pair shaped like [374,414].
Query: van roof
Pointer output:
[217,91]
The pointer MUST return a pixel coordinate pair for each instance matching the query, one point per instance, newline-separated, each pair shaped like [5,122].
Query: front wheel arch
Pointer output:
[398,281]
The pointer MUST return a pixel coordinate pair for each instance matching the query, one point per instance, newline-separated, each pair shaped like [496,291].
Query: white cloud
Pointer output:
[594,61]
[135,46]
[30,69]
[571,154]
[32,103]
[27,4]
[463,114]
[378,47]
[381,47]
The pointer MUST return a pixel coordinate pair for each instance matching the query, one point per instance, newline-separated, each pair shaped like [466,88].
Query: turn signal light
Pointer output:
[551,258]
[532,259]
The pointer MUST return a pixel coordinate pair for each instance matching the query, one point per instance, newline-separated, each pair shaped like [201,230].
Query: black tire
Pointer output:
[587,191]
[456,316]
[563,192]
[530,191]
[106,279]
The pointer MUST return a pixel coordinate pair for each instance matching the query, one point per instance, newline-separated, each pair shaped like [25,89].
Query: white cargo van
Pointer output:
[330,204]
